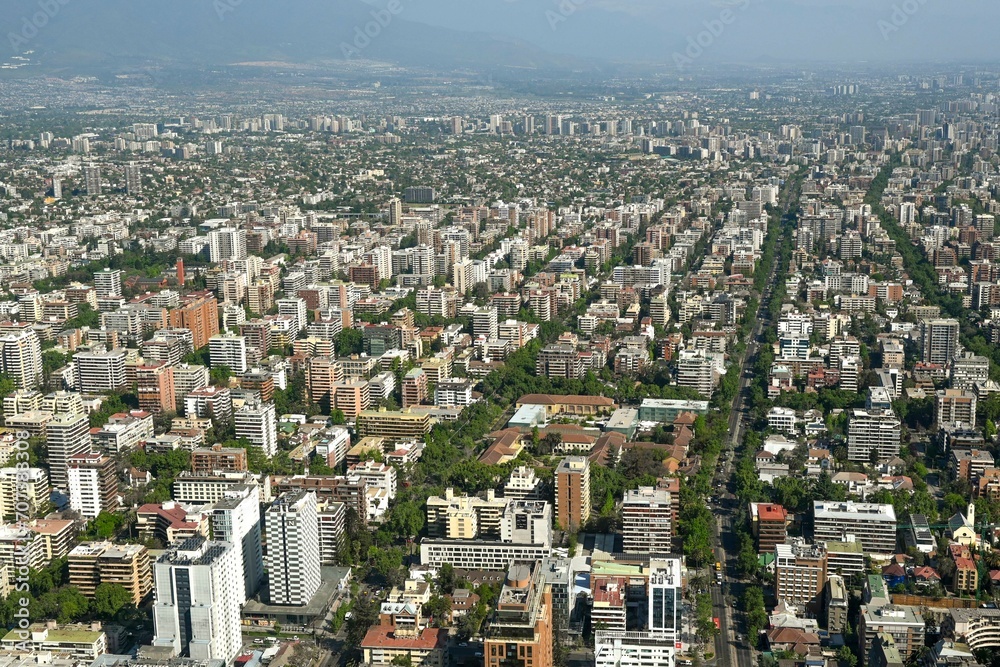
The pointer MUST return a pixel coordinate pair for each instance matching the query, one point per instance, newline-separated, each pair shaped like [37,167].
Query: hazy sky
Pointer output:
[757,30]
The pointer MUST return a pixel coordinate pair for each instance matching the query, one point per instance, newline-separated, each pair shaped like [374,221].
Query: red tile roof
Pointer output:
[382,636]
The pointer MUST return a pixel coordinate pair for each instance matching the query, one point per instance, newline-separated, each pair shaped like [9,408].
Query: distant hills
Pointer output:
[102,34]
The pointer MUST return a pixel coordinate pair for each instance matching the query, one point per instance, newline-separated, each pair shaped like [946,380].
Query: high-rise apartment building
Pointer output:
[66,435]
[155,382]
[877,430]
[647,521]
[800,574]
[94,563]
[93,484]
[230,350]
[199,585]
[955,405]
[92,179]
[520,632]
[484,323]
[293,548]
[100,371]
[236,519]
[108,283]
[658,643]
[939,338]
[573,492]
[696,371]
[133,179]
[414,388]
[21,355]
[198,312]
[968,370]
[256,422]
[560,361]
[188,378]
[295,308]
[227,243]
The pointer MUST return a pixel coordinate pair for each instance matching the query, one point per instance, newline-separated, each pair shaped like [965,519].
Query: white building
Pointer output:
[256,422]
[228,350]
[453,392]
[198,587]
[874,526]
[108,283]
[227,243]
[65,436]
[696,371]
[868,430]
[657,646]
[782,420]
[21,356]
[100,371]
[296,308]
[293,548]
[236,519]
[647,521]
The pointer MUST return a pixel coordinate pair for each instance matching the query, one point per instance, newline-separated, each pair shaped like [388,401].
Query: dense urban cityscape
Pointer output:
[401,369]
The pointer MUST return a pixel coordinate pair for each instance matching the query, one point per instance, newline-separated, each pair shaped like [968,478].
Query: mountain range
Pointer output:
[92,34]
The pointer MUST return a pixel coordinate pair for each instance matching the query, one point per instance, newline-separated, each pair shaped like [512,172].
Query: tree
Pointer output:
[219,375]
[846,657]
[747,561]
[438,607]
[109,599]
[446,578]
[406,519]
[364,613]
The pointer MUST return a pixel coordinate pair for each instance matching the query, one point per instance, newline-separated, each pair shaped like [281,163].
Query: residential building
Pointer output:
[696,371]
[198,587]
[256,422]
[236,519]
[293,559]
[414,387]
[94,563]
[769,524]
[874,526]
[647,525]
[836,604]
[800,574]
[939,340]
[218,459]
[520,632]
[93,484]
[21,355]
[868,430]
[27,487]
[155,384]
[108,283]
[66,435]
[956,405]
[396,426]
[904,624]
[229,350]
[100,371]
[573,492]
[199,313]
